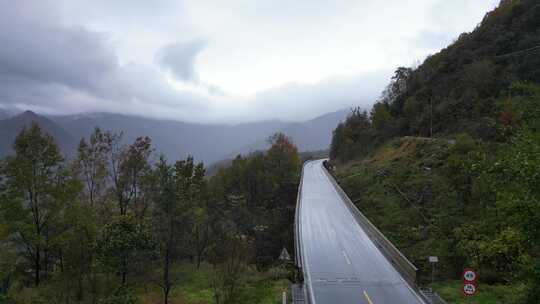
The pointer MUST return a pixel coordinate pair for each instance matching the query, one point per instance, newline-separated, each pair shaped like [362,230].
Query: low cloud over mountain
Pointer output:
[206,142]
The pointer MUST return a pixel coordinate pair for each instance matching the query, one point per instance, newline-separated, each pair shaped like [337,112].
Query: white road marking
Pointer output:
[346,257]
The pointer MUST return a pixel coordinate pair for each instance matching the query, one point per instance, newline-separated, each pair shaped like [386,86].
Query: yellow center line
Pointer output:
[367,297]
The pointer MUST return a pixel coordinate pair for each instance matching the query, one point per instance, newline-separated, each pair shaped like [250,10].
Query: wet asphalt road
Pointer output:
[341,263]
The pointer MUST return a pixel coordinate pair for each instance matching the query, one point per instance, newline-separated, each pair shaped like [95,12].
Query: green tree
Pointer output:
[191,191]
[125,244]
[8,259]
[397,87]
[91,165]
[133,169]
[168,223]
[230,260]
[78,246]
[122,295]
[353,138]
[283,159]
[381,117]
[517,186]
[34,187]
[127,167]
[338,140]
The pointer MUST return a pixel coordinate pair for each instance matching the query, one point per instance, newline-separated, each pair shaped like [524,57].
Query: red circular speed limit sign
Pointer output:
[469,289]
[469,282]
[469,275]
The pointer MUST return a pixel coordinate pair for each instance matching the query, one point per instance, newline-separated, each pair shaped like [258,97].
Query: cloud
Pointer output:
[432,39]
[300,102]
[306,101]
[179,59]
[56,68]
[259,59]
[35,48]
[447,19]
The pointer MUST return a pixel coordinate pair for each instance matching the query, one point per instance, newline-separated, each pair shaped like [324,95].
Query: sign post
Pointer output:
[433,260]
[470,286]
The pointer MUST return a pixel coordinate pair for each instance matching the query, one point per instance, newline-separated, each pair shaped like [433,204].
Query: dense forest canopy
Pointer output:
[117,219]
[461,88]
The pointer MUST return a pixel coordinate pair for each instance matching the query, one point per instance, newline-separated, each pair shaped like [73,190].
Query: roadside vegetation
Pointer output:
[446,163]
[121,225]
[487,293]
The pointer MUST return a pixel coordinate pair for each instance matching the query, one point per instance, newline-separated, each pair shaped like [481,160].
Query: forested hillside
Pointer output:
[119,224]
[462,88]
[446,162]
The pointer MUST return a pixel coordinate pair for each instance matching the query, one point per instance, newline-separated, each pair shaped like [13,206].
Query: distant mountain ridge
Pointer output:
[206,142]
[10,127]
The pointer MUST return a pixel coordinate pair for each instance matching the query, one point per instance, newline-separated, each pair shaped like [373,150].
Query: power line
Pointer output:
[519,52]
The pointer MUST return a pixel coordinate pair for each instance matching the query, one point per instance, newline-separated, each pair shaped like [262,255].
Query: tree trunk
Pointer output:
[45,263]
[80,285]
[199,258]
[80,288]
[166,280]
[37,266]
[166,293]
[166,270]
[93,286]
[124,271]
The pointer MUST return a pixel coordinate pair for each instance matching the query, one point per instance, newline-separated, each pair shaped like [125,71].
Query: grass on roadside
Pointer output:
[487,294]
[195,287]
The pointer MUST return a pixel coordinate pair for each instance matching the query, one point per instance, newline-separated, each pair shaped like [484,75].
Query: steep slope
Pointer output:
[465,88]
[460,88]
[429,198]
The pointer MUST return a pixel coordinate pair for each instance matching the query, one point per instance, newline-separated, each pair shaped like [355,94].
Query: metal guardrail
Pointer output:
[431,297]
[298,294]
[400,262]
[298,240]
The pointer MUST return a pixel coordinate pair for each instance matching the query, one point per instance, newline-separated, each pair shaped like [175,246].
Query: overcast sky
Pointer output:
[216,60]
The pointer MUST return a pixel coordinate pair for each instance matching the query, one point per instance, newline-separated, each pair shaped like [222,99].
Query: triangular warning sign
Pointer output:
[284,256]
